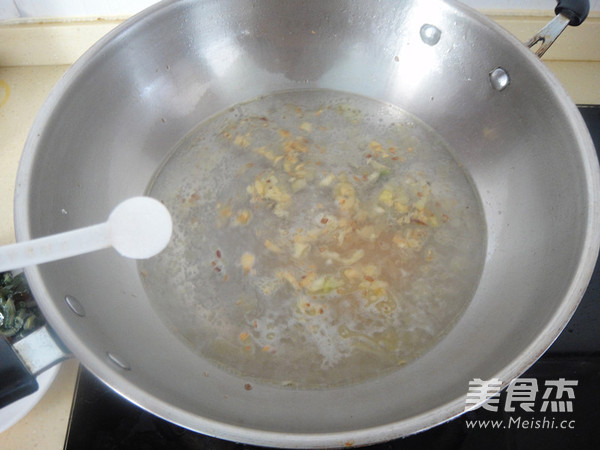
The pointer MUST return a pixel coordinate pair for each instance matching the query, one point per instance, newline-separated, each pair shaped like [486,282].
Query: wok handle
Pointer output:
[576,10]
[568,12]
[23,360]
[16,381]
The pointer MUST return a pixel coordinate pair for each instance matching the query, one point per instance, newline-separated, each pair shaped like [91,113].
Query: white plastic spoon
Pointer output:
[138,228]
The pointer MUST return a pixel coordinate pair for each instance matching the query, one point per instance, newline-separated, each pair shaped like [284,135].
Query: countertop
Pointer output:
[22,92]
[33,57]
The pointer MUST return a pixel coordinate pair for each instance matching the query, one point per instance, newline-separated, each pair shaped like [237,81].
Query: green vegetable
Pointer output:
[19,314]
[324,285]
[381,170]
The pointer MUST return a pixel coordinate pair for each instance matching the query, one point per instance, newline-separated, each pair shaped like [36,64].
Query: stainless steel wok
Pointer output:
[113,118]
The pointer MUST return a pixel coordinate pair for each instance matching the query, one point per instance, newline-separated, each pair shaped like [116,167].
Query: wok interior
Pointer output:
[113,119]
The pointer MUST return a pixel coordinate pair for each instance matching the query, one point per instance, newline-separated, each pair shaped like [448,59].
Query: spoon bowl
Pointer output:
[138,228]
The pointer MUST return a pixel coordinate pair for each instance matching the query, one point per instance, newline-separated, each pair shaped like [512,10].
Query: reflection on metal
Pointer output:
[75,306]
[430,34]
[118,361]
[499,79]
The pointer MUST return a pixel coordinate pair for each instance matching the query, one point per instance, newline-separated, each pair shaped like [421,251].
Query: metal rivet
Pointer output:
[74,305]
[499,79]
[430,34]
[118,361]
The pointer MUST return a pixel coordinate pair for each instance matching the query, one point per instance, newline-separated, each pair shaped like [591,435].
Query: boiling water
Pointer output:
[320,238]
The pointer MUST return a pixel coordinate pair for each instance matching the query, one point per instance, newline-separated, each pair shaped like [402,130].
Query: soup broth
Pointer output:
[320,238]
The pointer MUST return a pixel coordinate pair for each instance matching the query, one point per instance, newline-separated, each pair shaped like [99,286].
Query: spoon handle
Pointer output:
[57,246]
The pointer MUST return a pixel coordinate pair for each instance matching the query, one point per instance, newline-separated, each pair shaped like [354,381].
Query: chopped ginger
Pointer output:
[306,126]
[289,278]
[243,216]
[272,247]
[247,262]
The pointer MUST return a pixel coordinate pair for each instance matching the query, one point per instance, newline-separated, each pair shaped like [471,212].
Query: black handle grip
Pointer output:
[15,380]
[576,10]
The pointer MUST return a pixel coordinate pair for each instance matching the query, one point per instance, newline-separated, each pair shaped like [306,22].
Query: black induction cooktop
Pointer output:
[561,413]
